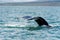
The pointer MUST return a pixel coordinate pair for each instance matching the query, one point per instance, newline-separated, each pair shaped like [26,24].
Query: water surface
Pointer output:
[14,27]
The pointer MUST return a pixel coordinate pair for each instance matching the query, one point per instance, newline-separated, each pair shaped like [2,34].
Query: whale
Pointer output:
[40,21]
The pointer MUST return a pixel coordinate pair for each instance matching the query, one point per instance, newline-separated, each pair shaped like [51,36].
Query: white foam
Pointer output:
[14,24]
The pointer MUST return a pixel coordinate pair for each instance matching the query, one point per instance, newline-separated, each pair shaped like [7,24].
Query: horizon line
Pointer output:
[47,3]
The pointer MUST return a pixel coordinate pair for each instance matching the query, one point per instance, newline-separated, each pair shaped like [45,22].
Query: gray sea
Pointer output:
[14,27]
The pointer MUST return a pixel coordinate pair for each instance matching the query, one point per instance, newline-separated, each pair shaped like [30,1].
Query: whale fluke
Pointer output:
[40,21]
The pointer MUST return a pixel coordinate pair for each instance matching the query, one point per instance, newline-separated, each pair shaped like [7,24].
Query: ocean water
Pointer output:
[14,27]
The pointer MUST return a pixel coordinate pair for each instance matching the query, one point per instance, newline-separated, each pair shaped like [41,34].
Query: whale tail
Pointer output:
[40,21]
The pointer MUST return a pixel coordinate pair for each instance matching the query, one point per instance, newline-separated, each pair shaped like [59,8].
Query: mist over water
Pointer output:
[14,27]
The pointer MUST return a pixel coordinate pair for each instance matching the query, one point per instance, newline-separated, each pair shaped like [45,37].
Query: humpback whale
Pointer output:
[40,21]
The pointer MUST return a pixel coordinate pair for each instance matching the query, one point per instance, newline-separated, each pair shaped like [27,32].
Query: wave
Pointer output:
[24,25]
